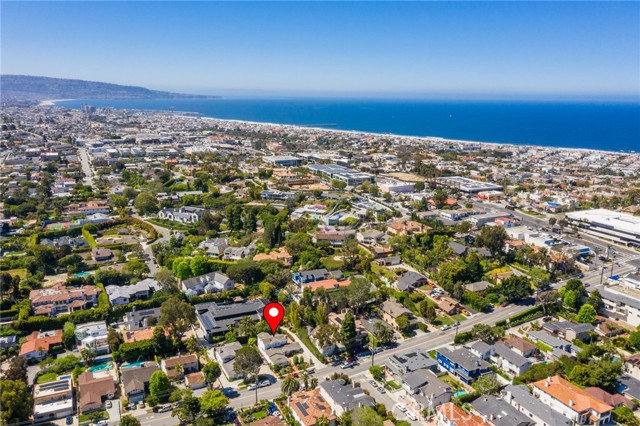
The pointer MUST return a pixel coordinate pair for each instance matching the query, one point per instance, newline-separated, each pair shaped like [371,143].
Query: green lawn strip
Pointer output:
[89,238]
[331,263]
[47,377]
[93,415]
[440,321]
[302,334]
[21,272]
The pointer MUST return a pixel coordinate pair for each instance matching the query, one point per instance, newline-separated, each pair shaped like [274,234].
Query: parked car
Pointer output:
[265,383]
[347,365]
[445,327]
[381,390]
[108,404]
[69,420]
[373,383]
[102,423]
[411,416]
[165,408]
[141,405]
[400,406]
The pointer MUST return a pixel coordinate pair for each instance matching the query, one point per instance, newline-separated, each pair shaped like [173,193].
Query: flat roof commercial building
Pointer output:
[467,185]
[348,176]
[615,226]
[283,160]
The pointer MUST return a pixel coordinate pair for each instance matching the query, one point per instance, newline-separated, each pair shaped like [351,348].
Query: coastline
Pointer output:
[360,133]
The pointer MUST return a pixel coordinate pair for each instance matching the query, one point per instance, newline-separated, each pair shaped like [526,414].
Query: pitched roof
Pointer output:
[309,406]
[571,395]
[458,416]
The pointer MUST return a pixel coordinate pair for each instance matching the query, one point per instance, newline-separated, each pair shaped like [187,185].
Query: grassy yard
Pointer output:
[440,321]
[391,385]
[22,273]
[47,377]
[100,414]
[380,270]
[531,213]
[331,263]
[500,270]
[459,317]
[543,347]
[259,415]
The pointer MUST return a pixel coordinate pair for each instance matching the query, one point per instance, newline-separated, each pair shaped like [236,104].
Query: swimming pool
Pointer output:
[100,367]
[459,393]
[81,274]
[133,364]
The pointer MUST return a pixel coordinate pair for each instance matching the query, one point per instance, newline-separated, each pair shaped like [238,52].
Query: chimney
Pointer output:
[571,403]
[547,382]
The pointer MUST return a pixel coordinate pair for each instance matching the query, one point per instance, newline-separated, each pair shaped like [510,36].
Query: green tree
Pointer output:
[289,386]
[166,280]
[16,402]
[213,402]
[178,315]
[68,334]
[587,314]
[365,416]
[516,287]
[487,384]
[212,372]
[159,385]
[377,372]
[146,203]
[439,198]
[358,293]
[323,421]
[247,363]
[189,410]
[199,265]
[595,300]
[487,333]
[493,238]
[624,416]
[403,323]
[326,335]
[570,299]
[348,330]
[129,420]
[382,333]
[233,214]
[17,369]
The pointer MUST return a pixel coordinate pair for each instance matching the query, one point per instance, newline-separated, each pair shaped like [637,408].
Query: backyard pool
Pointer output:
[100,367]
[133,364]
[81,274]
[459,393]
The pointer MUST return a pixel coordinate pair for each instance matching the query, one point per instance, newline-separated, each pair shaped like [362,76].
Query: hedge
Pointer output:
[89,238]
[522,317]
[463,337]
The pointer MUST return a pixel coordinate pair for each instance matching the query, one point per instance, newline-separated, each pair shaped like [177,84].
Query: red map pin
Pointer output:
[273,314]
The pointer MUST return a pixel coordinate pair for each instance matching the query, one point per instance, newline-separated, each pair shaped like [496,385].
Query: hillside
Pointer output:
[25,87]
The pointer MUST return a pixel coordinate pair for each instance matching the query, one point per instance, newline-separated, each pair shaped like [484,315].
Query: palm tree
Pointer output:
[289,386]
[305,379]
[382,333]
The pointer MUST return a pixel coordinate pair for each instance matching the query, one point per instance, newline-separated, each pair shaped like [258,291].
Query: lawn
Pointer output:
[331,263]
[440,321]
[500,270]
[47,377]
[100,414]
[459,317]
[543,347]
[22,273]
[391,385]
[259,415]
[530,213]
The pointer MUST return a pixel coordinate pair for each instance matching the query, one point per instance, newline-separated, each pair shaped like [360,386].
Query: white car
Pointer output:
[411,416]
[400,406]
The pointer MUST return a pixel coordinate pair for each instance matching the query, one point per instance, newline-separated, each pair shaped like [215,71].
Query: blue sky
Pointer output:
[450,49]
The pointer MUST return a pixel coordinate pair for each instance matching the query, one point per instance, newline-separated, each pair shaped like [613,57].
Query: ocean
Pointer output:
[604,126]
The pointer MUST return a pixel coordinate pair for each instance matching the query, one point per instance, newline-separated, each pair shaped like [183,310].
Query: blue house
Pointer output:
[462,363]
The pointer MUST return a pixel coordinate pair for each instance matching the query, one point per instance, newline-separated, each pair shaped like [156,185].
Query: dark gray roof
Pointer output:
[215,317]
[347,396]
[410,279]
[136,319]
[500,413]
[206,278]
[457,248]
[413,360]
[481,347]
[521,395]
[512,357]
[478,286]
[464,358]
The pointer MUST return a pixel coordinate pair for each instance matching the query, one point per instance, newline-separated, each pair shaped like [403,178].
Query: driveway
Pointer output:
[115,411]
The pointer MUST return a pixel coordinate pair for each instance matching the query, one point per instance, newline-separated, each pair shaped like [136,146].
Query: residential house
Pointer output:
[370,237]
[53,400]
[213,282]
[389,261]
[632,366]
[408,362]
[135,381]
[615,400]
[478,287]
[7,342]
[330,284]
[308,406]
[280,255]
[509,361]
[239,253]
[314,275]
[142,290]
[572,402]
[450,414]
[499,413]
[407,227]
[94,391]
[520,346]
[60,299]
[462,363]
[276,348]
[93,336]
[448,305]
[481,349]
[101,254]
[569,331]
[195,380]
[344,397]
[559,347]
[226,354]
[410,280]
[176,367]
[215,318]
[335,238]
[40,343]
[215,246]
[184,214]
[138,320]
[457,249]
[431,391]
[392,310]
[519,397]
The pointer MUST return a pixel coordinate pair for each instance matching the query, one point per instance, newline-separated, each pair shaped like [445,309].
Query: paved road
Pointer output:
[163,235]
[424,342]
[86,166]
